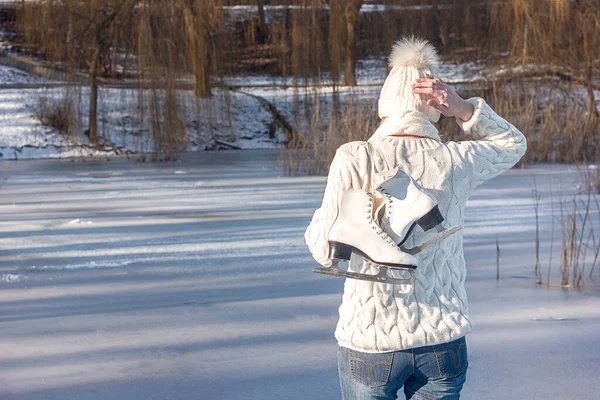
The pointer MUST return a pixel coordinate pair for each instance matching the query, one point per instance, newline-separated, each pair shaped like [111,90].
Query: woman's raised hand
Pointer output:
[442,97]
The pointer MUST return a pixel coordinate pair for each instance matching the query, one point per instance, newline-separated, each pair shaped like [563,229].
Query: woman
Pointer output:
[413,336]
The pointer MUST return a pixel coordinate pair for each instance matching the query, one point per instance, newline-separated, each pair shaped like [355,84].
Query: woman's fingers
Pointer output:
[429,80]
[424,90]
[433,77]
[425,97]
[422,83]
[433,91]
[435,104]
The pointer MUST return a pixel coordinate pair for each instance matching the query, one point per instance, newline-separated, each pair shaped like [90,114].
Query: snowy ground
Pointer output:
[231,117]
[13,76]
[227,116]
[191,280]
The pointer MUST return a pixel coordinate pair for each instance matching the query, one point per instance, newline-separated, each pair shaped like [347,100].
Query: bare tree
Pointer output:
[86,40]
[93,42]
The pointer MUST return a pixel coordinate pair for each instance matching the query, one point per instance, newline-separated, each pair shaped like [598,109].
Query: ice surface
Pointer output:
[200,285]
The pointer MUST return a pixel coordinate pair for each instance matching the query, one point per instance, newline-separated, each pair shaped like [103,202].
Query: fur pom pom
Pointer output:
[414,52]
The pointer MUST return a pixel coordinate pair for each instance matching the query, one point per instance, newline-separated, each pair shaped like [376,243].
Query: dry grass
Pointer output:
[325,132]
[556,122]
[57,113]
[578,217]
[557,126]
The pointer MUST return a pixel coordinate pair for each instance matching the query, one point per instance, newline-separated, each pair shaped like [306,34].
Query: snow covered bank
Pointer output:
[228,116]
[370,71]
[13,76]
[231,117]
[213,295]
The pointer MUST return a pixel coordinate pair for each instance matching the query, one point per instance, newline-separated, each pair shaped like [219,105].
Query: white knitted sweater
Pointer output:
[375,317]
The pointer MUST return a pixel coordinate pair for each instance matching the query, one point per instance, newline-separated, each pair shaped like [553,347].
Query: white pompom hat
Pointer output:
[411,58]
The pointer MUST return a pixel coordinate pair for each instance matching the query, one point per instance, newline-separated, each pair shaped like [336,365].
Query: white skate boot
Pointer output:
[354,230]
[407,205]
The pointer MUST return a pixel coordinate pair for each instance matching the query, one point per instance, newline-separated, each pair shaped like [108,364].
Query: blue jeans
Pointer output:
[427,373]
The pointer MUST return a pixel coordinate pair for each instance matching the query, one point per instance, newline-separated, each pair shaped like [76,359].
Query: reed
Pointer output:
[579,219]
[325,129]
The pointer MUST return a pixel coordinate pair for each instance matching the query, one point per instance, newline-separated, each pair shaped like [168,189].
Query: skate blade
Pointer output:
[442,234]
[382,277]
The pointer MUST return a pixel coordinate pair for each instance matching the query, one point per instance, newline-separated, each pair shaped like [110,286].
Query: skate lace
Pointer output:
[378,211]
[373,223]
[388,202]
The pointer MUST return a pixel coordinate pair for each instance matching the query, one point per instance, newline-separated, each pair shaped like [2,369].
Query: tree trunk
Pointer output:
[336,39]
[93,117]
[352,15]
[524,56]
[203,88]
[262,26]
[592,109]
[441,23]
[198,35]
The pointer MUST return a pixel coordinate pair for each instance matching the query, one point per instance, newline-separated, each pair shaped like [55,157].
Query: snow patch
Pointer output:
[78,221]
[11,278]
[94,264]
[13,76]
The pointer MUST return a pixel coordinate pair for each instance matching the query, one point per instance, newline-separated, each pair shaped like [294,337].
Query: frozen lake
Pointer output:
[191,280]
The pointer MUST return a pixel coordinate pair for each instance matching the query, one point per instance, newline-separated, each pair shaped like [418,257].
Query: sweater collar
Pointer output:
[409,123]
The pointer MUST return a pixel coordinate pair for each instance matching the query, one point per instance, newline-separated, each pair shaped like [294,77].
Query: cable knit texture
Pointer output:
[375,317]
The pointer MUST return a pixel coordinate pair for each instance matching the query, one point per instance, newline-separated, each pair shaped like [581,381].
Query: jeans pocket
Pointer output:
[370,369]
[452,357]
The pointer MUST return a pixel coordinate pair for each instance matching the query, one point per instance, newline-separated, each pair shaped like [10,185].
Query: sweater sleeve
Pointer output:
[348,171]
[496,146]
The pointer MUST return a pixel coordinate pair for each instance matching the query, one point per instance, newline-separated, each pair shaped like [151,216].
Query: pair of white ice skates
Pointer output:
[406,204]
